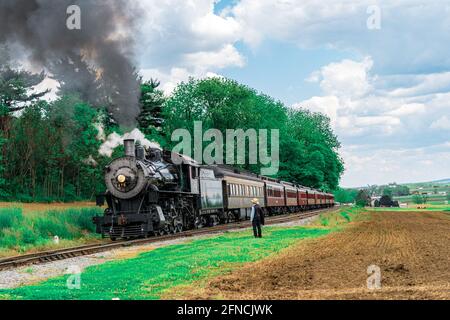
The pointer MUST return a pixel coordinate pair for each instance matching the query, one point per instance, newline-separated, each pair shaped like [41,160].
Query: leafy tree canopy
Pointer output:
[50,149]
[308,146]
[362,198]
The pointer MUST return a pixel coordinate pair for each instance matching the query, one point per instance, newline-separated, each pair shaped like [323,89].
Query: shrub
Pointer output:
[47,226]
[324,220]
[362,198]
[28,236]
[9,238]
[24,198]
[419,199]
[42,199]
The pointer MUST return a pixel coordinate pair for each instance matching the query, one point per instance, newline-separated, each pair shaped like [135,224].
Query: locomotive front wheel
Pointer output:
[179,228]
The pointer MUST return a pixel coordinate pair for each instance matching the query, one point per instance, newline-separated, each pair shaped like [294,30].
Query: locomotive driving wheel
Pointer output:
[230,217]
[179,227]
[178,224]
[164,230]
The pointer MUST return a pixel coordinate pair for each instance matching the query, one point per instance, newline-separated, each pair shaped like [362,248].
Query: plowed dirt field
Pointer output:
[412,250]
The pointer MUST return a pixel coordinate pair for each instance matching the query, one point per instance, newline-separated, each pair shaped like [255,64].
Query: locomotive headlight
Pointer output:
[125,179]
[121,178]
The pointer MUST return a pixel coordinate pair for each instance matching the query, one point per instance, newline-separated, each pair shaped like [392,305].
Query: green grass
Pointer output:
[339,217]
[10,217]
[152,273]
[22,232]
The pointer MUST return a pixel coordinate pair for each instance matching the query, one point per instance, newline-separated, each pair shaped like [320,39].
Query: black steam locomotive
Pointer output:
[156,192]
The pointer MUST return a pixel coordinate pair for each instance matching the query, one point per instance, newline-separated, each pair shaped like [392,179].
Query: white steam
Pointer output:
[114,140]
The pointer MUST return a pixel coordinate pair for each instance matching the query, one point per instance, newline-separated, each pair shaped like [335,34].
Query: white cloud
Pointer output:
[347,78]
[175,76]
[408,109]
[213,26]
[384,126]
[350,100]
[442,123]
[424,84]
[384,165]
[413,36]
[291,20]
[327,105]
[186,38]
[226,56]
[169,80]
[357,104]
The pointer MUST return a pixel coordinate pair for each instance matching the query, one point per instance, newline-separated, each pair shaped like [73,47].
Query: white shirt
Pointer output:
[252,215]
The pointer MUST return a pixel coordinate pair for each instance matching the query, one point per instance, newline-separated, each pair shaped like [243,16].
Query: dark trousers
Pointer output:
[257,228]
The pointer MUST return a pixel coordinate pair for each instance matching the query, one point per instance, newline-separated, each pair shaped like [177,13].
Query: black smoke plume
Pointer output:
[95,61]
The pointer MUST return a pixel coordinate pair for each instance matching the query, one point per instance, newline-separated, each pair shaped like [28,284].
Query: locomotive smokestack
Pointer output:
[129,145]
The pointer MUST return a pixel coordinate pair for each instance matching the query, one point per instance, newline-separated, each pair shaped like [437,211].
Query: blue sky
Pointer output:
[386,89]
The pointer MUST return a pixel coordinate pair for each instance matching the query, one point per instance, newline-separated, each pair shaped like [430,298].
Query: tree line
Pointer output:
[49,150]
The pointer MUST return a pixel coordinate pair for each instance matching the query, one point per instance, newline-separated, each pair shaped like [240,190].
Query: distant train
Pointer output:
[148,194]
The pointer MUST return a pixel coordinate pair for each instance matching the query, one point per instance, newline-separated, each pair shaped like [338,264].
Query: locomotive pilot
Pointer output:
[257,218]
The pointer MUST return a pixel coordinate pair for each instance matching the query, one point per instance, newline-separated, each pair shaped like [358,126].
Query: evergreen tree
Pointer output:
[15,88]
[152,99]
[3,192]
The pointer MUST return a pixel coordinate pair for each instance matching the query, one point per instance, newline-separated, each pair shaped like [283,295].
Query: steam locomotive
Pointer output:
[155,192]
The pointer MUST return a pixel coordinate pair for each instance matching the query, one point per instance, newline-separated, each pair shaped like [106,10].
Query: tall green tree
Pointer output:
[419,199]
[387,192]
[308,146]
[3,192]
[16,88]
[316,162]
[53,152]
[362,198]
[222,104]
[152,99]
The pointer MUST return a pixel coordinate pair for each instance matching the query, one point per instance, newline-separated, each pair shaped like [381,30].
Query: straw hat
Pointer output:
[255,201]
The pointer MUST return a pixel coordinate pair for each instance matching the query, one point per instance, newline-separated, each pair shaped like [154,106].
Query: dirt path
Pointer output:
[412,250]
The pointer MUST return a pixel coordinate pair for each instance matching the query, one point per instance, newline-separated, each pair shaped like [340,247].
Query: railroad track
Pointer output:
[62,254]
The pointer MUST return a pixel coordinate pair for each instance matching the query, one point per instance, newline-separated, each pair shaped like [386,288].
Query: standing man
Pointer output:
[257,218]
